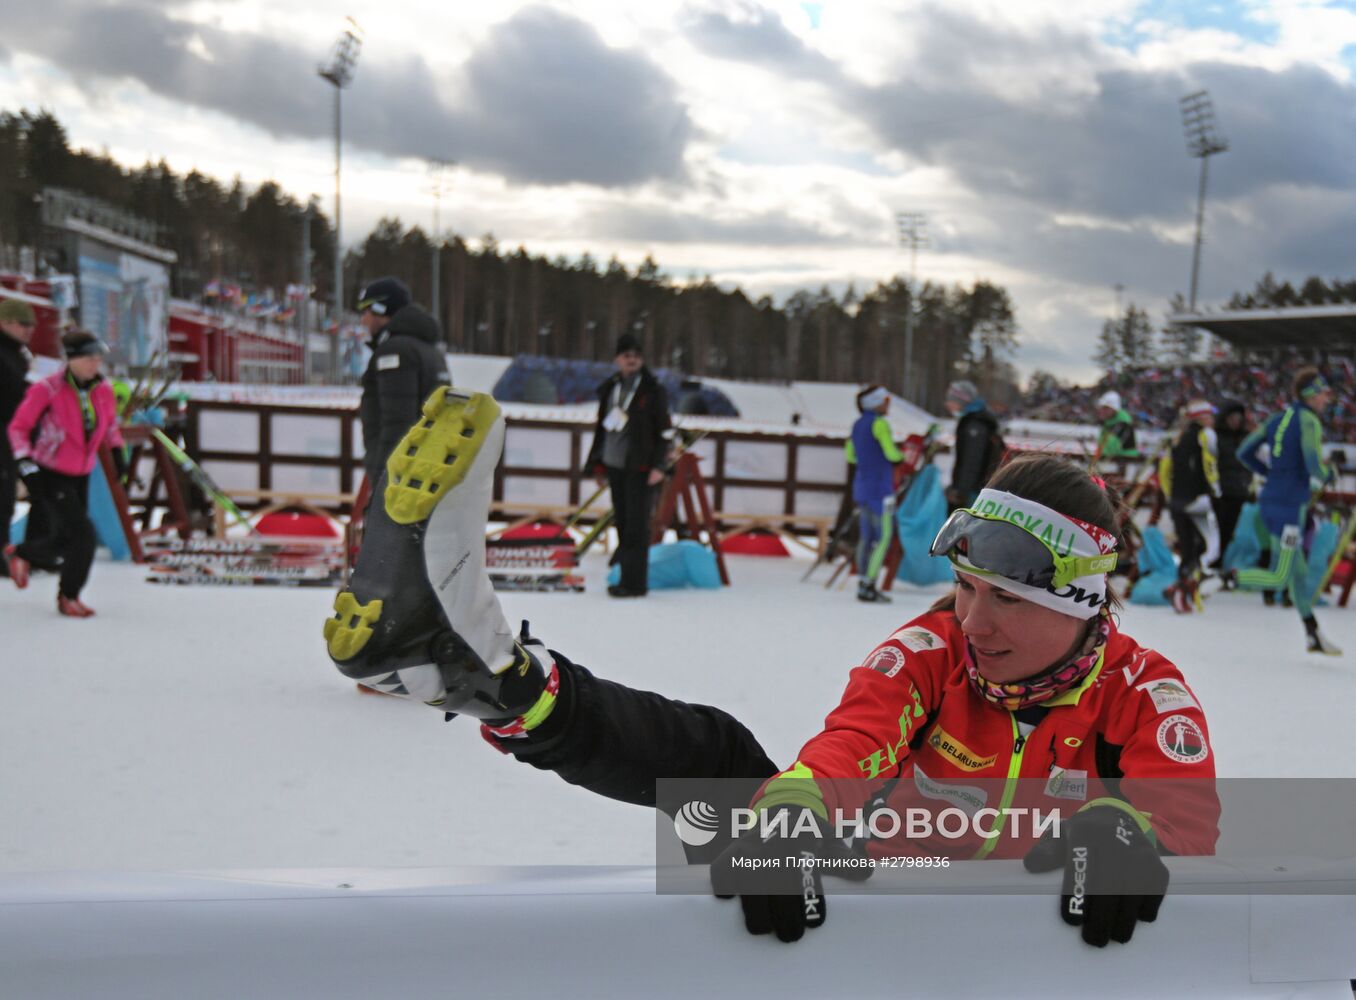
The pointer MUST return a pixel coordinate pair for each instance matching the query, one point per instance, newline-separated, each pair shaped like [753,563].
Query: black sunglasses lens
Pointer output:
[1000,548]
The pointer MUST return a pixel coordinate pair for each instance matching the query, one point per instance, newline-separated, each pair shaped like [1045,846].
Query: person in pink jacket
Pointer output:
[56,434]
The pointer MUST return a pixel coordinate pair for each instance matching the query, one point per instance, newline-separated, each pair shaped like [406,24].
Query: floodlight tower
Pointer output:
[1203,142]
[913,235]
[438,174]
[339,73]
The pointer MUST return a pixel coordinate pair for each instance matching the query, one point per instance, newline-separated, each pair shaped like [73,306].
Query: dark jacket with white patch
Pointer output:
[647,418]
[407,364]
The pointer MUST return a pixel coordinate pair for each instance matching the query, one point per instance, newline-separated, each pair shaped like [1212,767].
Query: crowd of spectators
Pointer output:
[1154,395]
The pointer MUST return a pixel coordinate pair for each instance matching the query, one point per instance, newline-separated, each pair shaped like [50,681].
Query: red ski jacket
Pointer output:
[912,726]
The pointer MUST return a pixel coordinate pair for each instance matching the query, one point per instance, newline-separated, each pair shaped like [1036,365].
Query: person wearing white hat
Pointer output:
[872,453]
[1117,439]
[1189,477]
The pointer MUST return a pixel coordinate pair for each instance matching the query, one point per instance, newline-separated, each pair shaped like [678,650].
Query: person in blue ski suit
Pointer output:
[1295,471]
[871,450]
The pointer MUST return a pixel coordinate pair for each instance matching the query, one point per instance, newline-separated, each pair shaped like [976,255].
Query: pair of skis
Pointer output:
[256,560]
[199,477]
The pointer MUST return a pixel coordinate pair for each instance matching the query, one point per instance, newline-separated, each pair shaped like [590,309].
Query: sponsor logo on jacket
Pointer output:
[960,755]
[920,640]
[1168,695]
[968,797]
[1065,783]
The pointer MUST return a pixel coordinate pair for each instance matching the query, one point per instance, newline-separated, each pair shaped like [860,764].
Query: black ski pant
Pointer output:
[1190,544]
[63,531]
[9,485]
[631,496]
[1227,510]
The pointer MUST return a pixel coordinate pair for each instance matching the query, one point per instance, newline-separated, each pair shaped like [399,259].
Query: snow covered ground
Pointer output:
[192,728]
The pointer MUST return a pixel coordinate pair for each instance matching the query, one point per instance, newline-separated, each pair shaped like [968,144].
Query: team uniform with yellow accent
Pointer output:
[911,724]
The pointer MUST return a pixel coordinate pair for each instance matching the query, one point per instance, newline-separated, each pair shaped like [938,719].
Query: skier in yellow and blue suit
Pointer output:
[1295,472]
[871,450]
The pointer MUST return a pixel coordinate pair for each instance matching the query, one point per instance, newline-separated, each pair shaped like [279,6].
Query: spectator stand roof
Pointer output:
[1322,328]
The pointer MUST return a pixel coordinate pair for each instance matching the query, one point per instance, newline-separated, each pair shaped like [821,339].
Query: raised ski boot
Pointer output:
[419,618]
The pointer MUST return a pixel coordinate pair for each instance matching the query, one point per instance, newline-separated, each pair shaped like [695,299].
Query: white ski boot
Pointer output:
[420,618]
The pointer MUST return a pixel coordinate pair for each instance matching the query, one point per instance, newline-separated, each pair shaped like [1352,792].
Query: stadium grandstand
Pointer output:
[1268,346]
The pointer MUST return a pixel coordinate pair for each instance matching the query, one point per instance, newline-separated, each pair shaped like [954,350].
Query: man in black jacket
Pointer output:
[407,364]
[16,330]
[629,450]
[1235,479]
[979,446]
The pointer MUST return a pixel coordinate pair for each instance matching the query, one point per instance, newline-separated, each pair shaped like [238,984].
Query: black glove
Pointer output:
[777,897]
[27,470]
[120,464]
[1112,873]
[780,896]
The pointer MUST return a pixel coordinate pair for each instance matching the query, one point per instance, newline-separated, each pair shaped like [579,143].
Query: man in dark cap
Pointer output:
[629,450]
[407,364]
[16,330]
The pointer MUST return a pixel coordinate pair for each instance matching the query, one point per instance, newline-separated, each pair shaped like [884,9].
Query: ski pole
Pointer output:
[574,518]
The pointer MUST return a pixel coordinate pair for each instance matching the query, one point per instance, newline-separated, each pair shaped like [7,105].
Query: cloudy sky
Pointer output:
[767,144]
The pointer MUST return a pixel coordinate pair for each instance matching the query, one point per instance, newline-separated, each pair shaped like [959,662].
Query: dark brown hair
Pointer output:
[1302,379]
[1061,485]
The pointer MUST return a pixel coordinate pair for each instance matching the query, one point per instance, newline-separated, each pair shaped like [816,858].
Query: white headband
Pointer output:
[874,398]
[1084,597]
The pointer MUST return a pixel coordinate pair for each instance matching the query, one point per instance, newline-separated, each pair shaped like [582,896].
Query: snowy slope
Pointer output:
[205,728]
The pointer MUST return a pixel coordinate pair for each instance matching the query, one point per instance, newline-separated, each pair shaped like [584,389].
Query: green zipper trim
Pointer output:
[1009,790]
[1279,439]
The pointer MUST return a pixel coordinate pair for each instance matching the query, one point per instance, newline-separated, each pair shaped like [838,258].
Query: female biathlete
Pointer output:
[1022,673]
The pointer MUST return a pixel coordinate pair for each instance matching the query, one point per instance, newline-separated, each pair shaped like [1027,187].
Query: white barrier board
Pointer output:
[602,932]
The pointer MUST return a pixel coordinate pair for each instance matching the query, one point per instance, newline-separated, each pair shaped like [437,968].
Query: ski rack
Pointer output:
[165,472]
[686,487]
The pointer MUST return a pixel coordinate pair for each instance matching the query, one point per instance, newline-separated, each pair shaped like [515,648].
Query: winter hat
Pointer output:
[82,344]
[871,397]
[962,391]
[385,296]
[14,311]
[627,343]
[1198,408]
[1110,399]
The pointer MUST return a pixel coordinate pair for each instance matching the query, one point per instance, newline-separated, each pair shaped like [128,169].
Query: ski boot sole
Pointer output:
[431,459]
[436,453]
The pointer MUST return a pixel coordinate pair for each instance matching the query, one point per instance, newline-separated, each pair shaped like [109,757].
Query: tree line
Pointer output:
[495,300]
